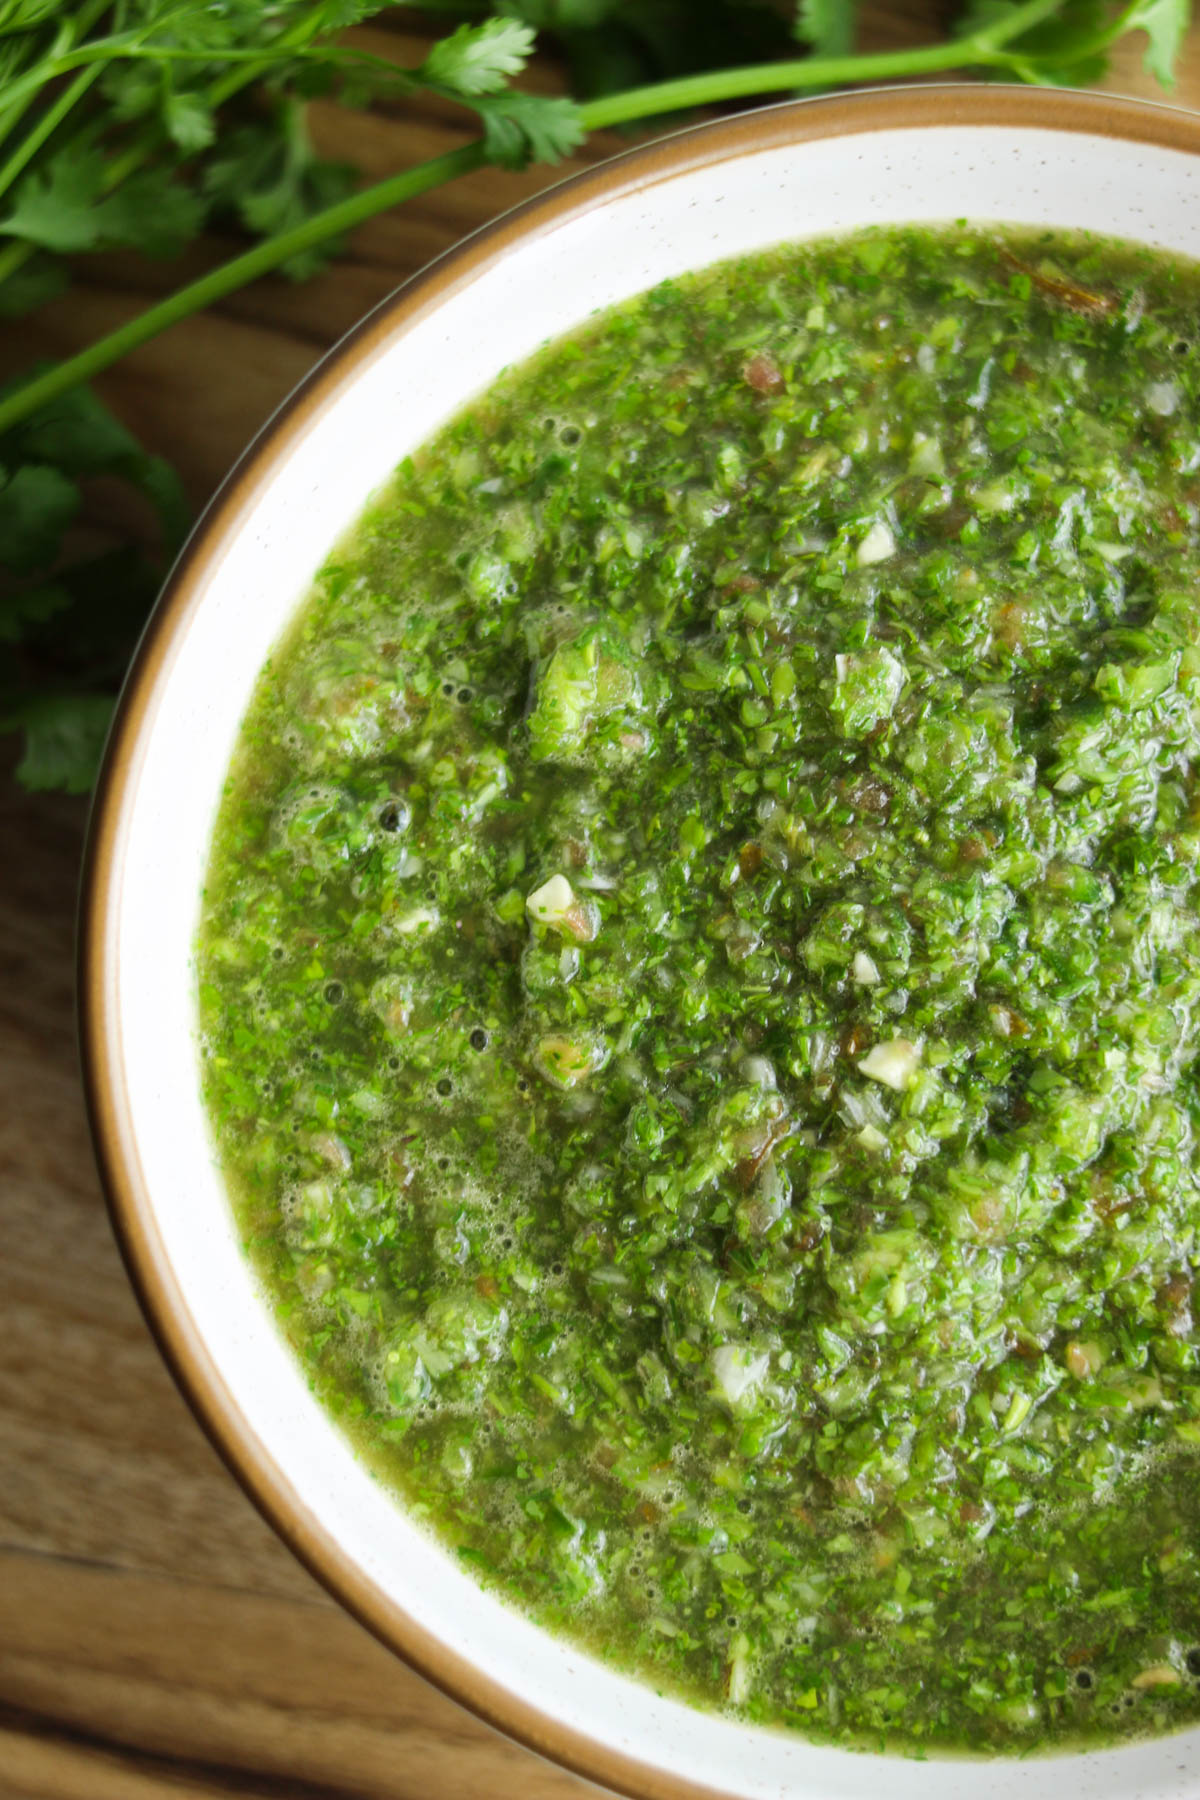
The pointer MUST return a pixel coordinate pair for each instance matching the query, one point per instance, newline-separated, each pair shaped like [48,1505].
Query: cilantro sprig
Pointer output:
[132,124]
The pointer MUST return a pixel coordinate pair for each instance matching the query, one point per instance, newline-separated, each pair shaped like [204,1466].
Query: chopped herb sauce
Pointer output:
[699,979]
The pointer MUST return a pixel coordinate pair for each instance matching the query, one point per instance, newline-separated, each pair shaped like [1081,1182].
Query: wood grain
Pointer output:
[156,1639]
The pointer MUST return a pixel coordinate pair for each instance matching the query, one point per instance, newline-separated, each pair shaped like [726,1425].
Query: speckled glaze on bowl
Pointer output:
[796,171]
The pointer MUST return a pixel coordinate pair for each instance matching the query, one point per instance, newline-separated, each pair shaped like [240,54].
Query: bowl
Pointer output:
[935,154]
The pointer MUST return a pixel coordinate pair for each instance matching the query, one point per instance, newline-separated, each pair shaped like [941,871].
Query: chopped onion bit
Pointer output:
[894,1063]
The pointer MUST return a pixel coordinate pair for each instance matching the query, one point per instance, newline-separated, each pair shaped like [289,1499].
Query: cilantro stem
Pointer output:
[138,43]
[983,48]
[49,122]
[232,275]
[979,49]
[70,32]
[135,155]
[99,51]
[691,91]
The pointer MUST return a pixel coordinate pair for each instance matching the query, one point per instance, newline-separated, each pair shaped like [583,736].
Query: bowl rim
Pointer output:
[924,107]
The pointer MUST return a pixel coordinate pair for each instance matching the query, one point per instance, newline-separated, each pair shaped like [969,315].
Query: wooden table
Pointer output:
[155,1637]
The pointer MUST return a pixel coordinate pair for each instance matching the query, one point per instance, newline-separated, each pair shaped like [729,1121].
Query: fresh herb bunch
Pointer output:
[134,124]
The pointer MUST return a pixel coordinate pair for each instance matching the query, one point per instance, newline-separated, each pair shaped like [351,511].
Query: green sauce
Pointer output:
[699,982]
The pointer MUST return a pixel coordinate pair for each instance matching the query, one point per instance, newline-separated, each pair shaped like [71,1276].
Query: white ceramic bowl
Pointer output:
[788,172]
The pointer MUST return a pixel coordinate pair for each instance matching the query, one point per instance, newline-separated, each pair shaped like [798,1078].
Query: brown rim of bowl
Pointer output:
[129,1202]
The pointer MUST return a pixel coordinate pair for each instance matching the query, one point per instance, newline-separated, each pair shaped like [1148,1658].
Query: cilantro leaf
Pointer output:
[1165,23]
[271,182]
[152,212]
[66,207]
[1070,48]
[76,437]
[57,206]
[37,503]
[71,639]
[30,606]
[189,121]
[70,632]
[478,59]
[157,479]
[99,607]
[522,128]
[64,739]
[40,279]
[132,91]
[827,25]
[296,192]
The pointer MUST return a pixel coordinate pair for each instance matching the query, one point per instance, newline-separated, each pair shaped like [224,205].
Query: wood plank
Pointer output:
[177,1681]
